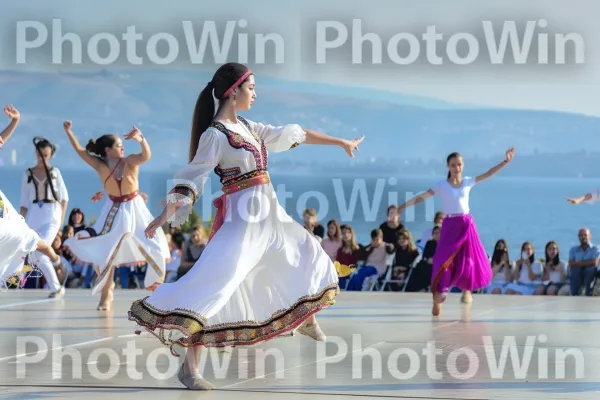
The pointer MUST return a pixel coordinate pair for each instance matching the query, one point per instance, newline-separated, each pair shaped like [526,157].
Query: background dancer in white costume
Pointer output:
[118,236]
[17,240]
[44,200]
[262,275]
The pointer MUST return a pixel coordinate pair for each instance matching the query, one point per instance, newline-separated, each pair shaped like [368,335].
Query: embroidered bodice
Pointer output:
[249,151]
[234,152]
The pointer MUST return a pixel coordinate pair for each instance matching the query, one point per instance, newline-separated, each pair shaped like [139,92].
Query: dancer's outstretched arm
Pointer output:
[144,156]
[92,161]
[416,200]
[590,197]
[313,137]
[494,170]
[14,115]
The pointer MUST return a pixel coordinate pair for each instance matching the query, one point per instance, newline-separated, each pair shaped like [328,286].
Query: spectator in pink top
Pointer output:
[332,243]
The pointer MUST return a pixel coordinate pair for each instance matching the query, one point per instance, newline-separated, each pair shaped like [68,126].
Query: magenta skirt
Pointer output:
[460,259]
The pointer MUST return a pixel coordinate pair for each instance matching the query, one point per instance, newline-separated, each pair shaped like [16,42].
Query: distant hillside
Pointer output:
[161,104]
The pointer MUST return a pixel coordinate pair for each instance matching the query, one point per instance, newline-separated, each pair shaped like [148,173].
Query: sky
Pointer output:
[567,87]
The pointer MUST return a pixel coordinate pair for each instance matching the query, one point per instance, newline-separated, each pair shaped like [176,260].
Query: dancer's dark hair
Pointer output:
[223,80]
[40,144]
[98,147]
[450,157]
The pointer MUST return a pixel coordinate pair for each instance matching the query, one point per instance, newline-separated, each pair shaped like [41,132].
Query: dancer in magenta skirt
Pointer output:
[460,259]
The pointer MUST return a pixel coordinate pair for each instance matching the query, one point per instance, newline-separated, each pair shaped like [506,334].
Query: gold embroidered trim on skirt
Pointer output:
[243,333]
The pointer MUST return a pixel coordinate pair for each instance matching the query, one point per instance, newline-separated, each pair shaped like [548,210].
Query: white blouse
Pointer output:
[537,269]
[232,151]
[28,188]
[455,200]
[555,276]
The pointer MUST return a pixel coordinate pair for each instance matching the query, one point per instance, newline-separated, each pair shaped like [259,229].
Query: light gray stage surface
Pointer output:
[377,347]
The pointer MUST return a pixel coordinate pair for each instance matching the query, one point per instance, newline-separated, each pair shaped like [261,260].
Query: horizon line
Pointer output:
[449,105]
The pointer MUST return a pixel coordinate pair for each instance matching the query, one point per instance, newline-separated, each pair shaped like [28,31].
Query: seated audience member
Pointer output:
[311,223]
[332,243]
[192,249]
[437,222]
[377,252]
[502,269]
[175,246]
[420,279]
[555,271]
[392,226]
[406,254]
[431,244]
[583,264]
[349,254]
[528,272]
[77,220]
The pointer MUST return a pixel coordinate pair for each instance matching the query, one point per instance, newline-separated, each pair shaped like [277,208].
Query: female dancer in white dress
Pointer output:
[44,200]
[262,274]
[118,238]
[17,240]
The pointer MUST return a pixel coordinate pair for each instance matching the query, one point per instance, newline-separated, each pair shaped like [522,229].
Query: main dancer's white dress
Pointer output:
[118,239]
[262,274]
[17,240]
[44,214]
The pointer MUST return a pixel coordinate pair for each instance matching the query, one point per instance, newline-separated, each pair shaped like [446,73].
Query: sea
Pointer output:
[514,209]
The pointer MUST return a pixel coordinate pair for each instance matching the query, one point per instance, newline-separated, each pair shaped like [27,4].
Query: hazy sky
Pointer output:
[560,87]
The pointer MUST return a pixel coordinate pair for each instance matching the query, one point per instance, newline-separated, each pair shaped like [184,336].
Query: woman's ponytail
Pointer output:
[41,143]
[228,77]
[204,112]
[90,147]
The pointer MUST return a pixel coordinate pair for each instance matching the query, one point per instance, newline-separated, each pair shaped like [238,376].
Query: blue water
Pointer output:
[516,209]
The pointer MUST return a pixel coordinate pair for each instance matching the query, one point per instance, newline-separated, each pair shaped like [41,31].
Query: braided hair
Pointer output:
[41,143]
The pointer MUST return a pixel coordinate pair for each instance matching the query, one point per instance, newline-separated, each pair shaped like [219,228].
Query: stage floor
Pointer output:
[377,347]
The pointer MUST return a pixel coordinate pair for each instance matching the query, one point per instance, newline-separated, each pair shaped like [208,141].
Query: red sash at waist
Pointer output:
[221,202]
[124,198]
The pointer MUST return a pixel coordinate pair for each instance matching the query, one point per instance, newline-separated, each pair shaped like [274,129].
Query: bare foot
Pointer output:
[466,297]
[438,300]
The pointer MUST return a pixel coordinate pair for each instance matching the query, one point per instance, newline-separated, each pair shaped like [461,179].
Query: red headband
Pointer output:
[237,83]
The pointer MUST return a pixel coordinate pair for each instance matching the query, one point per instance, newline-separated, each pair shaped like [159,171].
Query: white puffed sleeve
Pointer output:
[26,191]
[279,138]
[63,193]
[595,196]
[189,182]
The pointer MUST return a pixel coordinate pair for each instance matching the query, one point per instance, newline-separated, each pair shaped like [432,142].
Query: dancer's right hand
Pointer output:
[67,125]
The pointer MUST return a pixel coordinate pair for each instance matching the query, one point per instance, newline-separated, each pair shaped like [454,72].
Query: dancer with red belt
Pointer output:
[118,237]
[262,275]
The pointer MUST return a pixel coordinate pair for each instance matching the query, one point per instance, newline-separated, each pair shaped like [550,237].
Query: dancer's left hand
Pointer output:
[155,225]
[351,145]
[12,112]
[134,134]
[574,201]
